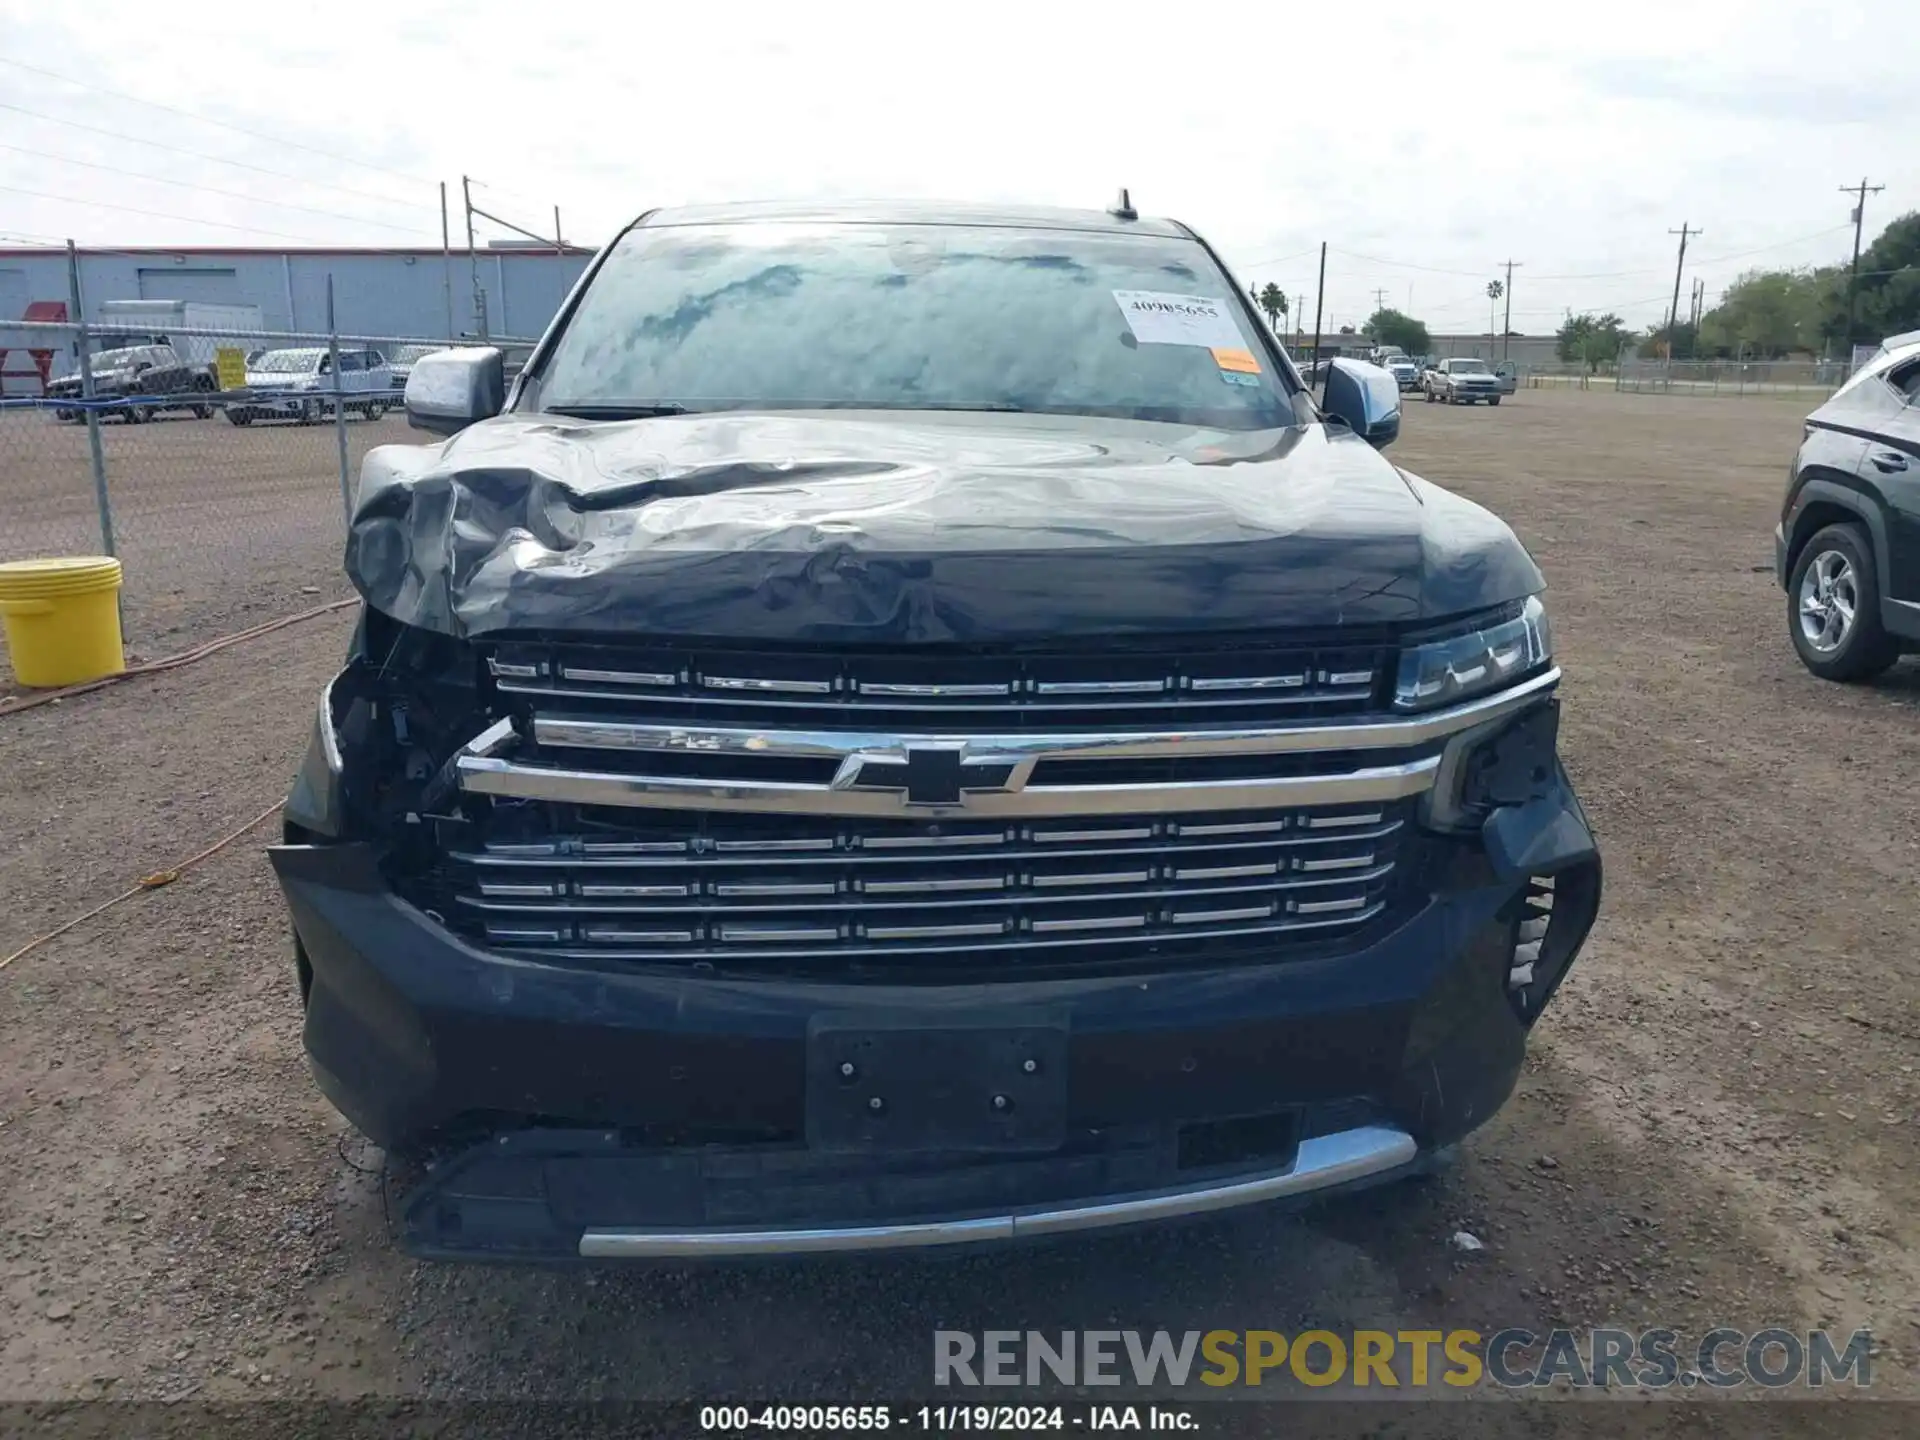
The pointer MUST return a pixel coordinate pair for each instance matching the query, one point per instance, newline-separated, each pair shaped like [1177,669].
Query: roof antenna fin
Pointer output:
[1122,209]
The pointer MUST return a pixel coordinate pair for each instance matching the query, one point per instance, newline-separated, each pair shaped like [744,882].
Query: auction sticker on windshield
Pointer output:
[1157,318]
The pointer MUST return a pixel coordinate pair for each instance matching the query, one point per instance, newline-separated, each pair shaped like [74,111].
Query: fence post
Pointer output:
[102,502]
[339,407]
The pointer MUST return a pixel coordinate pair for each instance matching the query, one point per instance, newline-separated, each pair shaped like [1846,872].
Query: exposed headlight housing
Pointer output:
[1490,657]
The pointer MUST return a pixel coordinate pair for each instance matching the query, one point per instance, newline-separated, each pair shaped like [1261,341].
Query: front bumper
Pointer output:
[275,402]
[577,1109]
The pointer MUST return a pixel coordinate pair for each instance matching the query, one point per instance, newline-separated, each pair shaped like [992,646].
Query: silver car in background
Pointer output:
[299,384]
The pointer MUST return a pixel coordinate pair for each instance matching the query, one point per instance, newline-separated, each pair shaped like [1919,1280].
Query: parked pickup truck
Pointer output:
[1406,374]
[299,385]
[960,783]
[1461,382]
[137,382]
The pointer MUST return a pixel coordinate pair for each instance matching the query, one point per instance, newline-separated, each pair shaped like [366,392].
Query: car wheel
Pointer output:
[66,417]
[1493,400]
[1833,607]
[137,415]
[376,411]
[310,412]
[239,417]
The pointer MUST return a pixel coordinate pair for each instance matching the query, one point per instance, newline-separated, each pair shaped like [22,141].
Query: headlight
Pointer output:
[1444,672]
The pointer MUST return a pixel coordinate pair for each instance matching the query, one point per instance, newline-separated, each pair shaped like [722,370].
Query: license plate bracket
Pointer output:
[989,1087]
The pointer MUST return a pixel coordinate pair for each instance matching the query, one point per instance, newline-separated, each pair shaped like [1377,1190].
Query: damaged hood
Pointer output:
[852,528]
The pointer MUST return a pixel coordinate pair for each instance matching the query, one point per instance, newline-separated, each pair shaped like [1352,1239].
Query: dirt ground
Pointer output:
[218,527]
[1717,1125]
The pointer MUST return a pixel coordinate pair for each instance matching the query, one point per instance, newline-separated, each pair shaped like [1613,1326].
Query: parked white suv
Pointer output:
[299,385]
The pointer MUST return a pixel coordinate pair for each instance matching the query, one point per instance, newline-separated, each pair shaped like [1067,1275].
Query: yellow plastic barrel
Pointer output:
[62,619]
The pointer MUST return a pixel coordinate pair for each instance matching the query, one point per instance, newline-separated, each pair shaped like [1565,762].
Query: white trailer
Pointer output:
[154,322]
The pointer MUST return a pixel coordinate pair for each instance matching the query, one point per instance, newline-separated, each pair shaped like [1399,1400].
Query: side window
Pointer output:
[325,367]
[1906,379]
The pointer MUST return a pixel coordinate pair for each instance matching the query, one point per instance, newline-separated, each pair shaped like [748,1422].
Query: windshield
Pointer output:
[288,362]
[916,317]
[115,359]
[1468,367]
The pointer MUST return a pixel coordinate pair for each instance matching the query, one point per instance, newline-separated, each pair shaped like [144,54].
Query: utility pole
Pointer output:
[1299,318]
[446,260]
[1379,299]
[1679,265]
[1860,193]
[473,262]
[559,244]
[1319,309]
[1507,324]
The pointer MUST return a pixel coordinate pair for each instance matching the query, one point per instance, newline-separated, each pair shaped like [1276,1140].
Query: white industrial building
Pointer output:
[379,292]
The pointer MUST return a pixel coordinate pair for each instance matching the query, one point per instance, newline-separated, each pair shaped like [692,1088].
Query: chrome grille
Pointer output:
[1205,680]
[815,889]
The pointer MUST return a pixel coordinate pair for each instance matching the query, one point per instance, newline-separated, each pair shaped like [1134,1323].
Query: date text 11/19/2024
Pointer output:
[940,1419]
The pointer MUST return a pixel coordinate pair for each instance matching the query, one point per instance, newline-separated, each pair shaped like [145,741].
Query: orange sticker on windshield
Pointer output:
[1240,360]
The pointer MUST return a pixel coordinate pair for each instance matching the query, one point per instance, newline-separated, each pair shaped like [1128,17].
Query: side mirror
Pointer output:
[1365,399]
[451,389]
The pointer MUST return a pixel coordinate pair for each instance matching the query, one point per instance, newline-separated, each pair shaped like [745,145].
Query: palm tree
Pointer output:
[1273,300]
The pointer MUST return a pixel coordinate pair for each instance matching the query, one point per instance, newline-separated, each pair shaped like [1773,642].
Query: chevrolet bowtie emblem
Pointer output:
[930,774]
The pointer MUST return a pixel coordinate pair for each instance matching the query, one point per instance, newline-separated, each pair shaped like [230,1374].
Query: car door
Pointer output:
[1892,465]
[353,371]
[169,375]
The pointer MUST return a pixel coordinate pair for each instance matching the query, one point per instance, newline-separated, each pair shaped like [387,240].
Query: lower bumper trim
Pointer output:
[1321,1163]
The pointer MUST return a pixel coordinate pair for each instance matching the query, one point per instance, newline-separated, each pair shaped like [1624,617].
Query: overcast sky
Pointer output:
[1425,144]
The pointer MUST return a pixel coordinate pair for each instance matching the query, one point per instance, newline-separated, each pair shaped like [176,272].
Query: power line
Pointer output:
[1597,274]
[1279,259]
[160,214]
[213,190]
[216,159]
[209,120]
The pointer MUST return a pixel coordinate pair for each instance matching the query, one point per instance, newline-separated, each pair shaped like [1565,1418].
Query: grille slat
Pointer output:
[1231,681]
[861,890]
[731,900]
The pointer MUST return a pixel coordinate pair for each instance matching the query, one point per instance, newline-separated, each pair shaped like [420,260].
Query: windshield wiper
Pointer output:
[617,412]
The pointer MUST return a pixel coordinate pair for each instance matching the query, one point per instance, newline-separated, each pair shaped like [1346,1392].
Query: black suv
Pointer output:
[909,726]
[1847,548]
[137,382]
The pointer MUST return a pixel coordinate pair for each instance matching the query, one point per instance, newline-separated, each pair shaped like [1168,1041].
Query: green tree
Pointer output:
[1592,340]
[1390,327]
[1686,343]
[1768,314]
[1273,300]
[1888,298]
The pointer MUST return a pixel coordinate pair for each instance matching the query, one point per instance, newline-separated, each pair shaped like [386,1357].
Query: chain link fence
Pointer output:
[1815,378]
[217,466]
